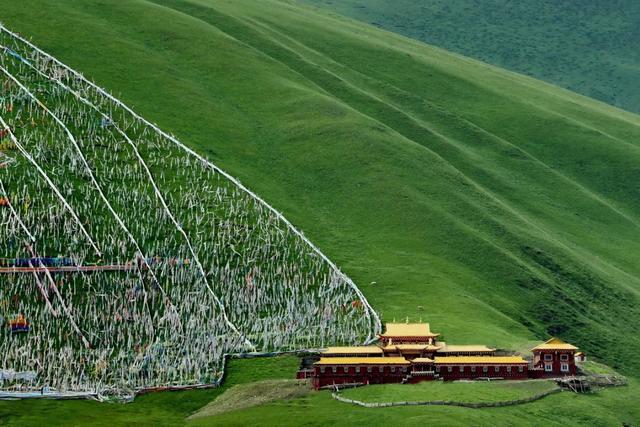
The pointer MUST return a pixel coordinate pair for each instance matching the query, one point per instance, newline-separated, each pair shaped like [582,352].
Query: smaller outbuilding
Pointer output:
[554,358]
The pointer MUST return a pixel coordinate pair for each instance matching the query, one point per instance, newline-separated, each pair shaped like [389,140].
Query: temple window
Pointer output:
[564,367]
[564,357]
[548,356]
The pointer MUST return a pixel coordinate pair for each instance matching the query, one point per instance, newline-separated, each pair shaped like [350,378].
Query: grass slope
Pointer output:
[499,208]
[588,46]
[252,394]
[610,407]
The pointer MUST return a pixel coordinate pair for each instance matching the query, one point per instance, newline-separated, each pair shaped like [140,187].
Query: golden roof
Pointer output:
[409,347]
[362,361]
[465,348]
[406,347]
[408,330]
[369,349]
[479,360]
[422,360]
[554,344]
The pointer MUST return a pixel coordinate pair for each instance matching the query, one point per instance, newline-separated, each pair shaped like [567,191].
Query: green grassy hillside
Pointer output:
[499,208]
[589,46]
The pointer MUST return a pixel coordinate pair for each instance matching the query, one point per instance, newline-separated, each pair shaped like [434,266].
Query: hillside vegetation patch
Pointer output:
[254,394]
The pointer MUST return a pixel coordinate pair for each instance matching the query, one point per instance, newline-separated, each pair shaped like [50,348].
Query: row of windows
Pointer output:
[380,369]
[485,368]
[548,357]
[564,367]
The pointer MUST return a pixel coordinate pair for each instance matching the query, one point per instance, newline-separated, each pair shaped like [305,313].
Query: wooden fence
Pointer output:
[448,402]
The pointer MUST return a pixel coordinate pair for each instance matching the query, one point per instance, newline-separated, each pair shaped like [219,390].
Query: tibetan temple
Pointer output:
[410,353]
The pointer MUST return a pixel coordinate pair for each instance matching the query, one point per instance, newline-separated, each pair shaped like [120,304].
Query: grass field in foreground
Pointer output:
[608,407]
[471,392]
[497,207]
[168,408]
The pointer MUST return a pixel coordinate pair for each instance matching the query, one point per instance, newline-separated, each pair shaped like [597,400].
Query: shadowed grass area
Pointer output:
[499,208]
[588,46]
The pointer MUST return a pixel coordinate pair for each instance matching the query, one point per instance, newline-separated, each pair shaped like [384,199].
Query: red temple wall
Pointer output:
[556,362]
[348,375]
[468,372]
